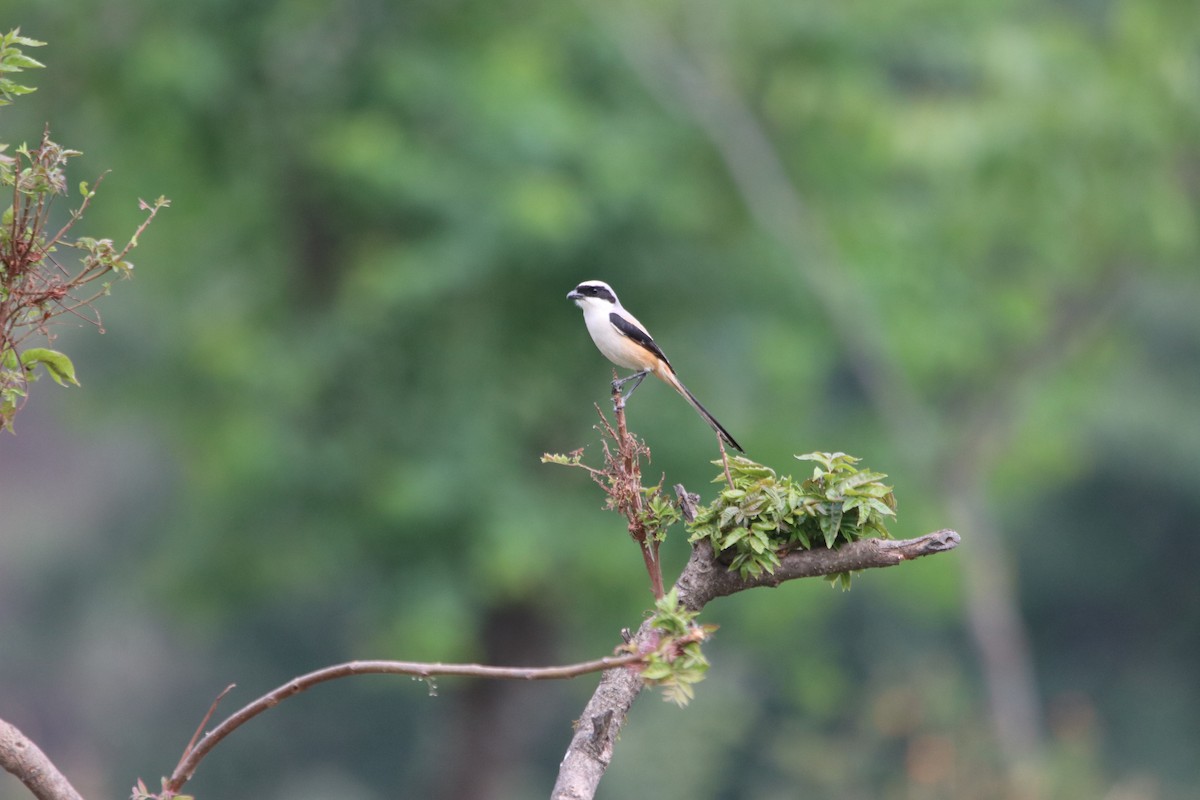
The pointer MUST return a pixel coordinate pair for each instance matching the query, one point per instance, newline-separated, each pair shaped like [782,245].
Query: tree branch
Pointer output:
[591,748]
[194,755]
[703,579]
[25,760]
[22,758]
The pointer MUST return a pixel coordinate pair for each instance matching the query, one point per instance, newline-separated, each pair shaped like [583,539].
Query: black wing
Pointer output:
[627,328]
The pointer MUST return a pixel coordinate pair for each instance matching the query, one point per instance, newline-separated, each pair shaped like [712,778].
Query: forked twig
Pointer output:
[204,722]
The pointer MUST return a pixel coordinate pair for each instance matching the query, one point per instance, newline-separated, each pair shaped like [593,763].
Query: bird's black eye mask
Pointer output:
[590,290]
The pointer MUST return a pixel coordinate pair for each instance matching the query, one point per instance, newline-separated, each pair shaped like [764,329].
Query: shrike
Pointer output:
[625,342]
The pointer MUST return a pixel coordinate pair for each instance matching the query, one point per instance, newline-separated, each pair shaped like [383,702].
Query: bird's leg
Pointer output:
[636,377]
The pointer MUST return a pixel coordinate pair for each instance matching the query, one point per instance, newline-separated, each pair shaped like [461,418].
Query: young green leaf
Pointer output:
[57,364]
[764,515]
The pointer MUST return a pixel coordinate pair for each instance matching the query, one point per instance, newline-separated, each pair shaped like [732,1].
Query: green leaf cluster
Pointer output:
[677,663]
[761,515]
[13,60]
[658,512]
[17,372]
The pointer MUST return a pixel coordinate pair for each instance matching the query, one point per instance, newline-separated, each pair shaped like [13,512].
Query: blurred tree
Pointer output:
[361,338]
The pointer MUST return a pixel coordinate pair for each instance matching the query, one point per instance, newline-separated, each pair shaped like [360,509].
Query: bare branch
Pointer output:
[596,731]
[25,760]
[194,755]
[76,214]
[703,579]
[191,745]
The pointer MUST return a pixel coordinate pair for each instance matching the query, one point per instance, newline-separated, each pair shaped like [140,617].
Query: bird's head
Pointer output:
[593,294]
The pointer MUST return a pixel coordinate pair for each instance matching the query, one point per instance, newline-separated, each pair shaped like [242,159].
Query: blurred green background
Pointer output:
[957,239]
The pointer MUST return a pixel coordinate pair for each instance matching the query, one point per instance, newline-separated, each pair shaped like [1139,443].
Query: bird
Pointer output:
[625,342]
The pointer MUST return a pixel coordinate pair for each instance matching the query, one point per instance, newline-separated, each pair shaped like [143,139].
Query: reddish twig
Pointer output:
[35,288]
[630,479]
[193,755]
[200,728]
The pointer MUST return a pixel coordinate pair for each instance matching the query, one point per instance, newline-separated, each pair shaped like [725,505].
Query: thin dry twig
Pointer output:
[195,754]
[203,723]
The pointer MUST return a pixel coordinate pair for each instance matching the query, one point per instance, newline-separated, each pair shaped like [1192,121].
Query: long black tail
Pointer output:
[669,377]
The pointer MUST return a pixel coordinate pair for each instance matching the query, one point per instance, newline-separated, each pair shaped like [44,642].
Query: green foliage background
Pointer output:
[311,430]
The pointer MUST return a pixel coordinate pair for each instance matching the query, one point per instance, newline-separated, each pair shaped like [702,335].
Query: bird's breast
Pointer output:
[615,347]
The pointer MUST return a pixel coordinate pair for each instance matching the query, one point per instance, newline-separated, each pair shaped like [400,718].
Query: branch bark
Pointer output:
[24,759]
[704,579]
